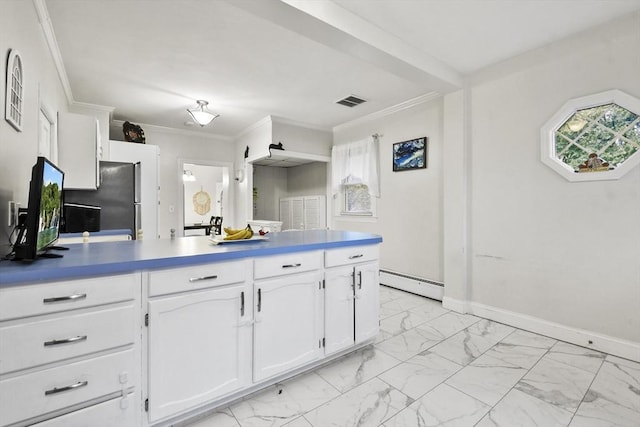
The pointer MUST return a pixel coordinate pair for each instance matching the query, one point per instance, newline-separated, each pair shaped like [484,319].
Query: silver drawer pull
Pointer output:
[66,388]
[197,279]
[356,256]
[67,298]
[65,341]
[291,265]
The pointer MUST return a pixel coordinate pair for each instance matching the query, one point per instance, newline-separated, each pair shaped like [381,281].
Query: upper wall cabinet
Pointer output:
[79,150]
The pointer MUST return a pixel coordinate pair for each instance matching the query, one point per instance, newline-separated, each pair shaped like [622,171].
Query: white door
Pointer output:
[367,294]
[288,323]
[338,309]
[199,348]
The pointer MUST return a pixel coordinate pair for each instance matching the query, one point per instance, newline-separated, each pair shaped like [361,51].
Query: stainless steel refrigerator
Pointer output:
[118,197]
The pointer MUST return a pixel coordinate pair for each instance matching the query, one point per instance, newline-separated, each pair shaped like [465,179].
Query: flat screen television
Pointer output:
[41,227]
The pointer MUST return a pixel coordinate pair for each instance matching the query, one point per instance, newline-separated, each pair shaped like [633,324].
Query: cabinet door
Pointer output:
[288,323]
[314,212]
[339,305]
[199,348]
[78,151]
[367,294]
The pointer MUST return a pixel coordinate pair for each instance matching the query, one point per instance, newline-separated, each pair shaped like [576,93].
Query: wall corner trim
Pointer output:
[52,42]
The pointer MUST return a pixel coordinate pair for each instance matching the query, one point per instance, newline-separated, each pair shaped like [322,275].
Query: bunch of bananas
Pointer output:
[238,234]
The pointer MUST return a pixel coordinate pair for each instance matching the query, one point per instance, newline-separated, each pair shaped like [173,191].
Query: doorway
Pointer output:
[206,193]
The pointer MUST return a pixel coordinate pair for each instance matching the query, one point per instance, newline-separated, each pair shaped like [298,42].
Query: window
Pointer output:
[14,107]
[594,138]
[357,200]
[355,177]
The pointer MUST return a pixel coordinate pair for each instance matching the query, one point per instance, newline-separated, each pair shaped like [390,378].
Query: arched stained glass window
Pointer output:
[14,104]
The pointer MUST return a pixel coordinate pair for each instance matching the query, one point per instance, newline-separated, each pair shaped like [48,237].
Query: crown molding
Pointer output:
[422,99]
[283,121]
[174,131]
[254,126]
[50,37]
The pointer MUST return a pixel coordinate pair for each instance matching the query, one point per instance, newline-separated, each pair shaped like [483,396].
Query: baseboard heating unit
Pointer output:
[416,285]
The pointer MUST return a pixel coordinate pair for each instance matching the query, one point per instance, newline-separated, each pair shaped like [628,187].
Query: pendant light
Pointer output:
[201,114]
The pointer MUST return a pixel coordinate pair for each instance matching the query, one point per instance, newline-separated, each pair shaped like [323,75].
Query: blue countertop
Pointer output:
[103,258]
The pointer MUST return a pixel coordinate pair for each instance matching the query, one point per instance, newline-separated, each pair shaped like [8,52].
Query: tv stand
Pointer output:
[58,248]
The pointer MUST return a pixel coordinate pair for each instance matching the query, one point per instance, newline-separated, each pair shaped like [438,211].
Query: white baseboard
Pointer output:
[414,285]
[456,305]
[589,339]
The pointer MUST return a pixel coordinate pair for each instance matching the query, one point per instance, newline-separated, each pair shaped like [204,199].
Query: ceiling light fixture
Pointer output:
[201,113]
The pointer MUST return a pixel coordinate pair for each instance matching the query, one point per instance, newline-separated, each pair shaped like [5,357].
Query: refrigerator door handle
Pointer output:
[137,170]
[137,221]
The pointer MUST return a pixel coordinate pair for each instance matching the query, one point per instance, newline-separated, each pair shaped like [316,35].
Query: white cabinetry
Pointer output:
[149,197]
[199,335]
[351,296]
[303,213]
[288,313]
[67,346]
[79,150]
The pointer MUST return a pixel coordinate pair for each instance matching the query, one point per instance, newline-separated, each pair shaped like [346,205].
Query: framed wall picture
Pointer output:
[14,101]
[408,155]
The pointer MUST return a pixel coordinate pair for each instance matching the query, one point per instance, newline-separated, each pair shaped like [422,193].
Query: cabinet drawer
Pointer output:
[120,411]
[35,343]
[32,300]
[49,390]
[279,265]
[351,255]
[184,279]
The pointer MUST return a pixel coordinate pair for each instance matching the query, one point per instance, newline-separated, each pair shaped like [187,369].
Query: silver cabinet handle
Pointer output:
[291,265]
[356,256]
[359,279]
[197,279]
[66,388]
[242,303]
[259,300]
[65,341]
[66,298]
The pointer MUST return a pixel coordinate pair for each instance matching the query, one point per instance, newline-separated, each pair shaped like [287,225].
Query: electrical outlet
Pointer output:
[12,217]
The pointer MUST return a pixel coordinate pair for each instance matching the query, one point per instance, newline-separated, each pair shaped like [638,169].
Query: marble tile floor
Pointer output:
[433,367]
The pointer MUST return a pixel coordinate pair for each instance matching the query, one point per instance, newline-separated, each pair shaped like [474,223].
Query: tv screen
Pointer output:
[42,226]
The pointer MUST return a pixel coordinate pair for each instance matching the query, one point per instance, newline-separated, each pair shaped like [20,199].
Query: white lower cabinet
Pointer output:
[75,346]
[352,297]
[199,347]
[288,323]
[120,411]
[367,301]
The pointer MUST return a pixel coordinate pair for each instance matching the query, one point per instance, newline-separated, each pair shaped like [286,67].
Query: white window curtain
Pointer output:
[356,163]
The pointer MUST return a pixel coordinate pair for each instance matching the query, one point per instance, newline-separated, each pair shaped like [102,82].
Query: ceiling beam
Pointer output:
[331,25]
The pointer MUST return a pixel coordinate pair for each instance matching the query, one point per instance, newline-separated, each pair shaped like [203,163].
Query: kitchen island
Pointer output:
[154,332]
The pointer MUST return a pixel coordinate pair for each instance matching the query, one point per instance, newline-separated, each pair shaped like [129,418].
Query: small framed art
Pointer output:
[408,155]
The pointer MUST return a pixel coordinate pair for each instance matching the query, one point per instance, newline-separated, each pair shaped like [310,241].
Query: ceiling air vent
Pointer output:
[351,101]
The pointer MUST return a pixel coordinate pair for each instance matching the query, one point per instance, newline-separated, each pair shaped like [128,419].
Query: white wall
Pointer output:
[409,209]
[270,184]
[545,252]
[19,29]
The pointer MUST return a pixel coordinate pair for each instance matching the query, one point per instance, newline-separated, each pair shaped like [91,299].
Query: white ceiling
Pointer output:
[151,59]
